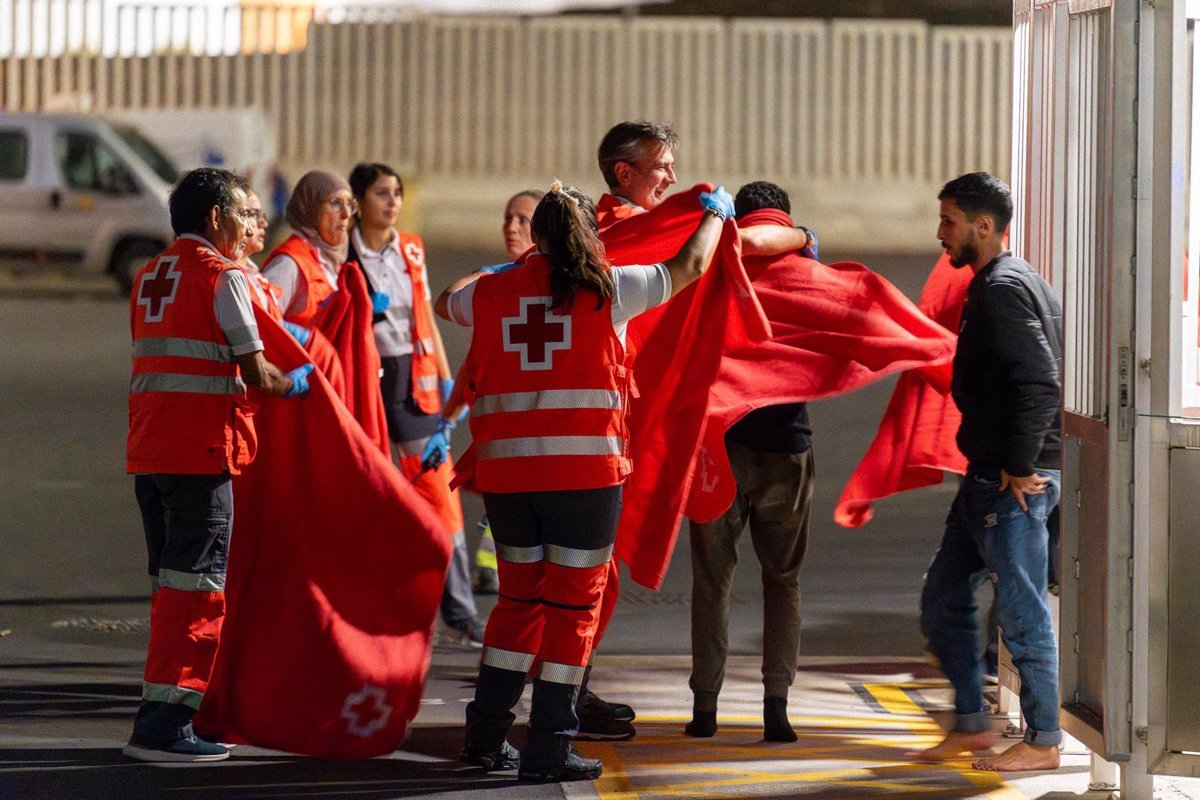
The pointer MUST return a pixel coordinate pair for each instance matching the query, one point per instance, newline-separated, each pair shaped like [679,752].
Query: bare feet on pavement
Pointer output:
[956,744]
[1021,757]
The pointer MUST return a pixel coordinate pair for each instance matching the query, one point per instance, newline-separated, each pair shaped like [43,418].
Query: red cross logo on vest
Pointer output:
[536,332]
[158,287]
[366,711]
[414,254]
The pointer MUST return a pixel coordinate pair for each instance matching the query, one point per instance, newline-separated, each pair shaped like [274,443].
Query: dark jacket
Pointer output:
[1007,370]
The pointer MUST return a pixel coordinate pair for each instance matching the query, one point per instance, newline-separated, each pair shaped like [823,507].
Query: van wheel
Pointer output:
[128,260]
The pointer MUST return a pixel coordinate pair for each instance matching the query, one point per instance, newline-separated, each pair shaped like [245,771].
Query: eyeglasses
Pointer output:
[339,205]
[251,215]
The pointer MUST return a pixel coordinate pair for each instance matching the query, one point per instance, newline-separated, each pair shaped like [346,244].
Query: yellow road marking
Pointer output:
[872,758]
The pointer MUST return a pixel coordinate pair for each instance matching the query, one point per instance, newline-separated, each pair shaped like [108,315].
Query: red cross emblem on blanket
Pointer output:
[366,711]
[536,332]
[158,287]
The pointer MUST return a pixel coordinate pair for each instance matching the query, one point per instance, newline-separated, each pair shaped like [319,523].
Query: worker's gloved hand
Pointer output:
[718,201]
[496,269]
[380,302]
[810,250]
[299,378]
[445,389]
[437,449]
[300,333]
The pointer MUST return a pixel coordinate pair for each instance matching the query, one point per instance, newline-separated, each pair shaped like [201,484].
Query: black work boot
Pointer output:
[570,766]
[507,757]
[489,716]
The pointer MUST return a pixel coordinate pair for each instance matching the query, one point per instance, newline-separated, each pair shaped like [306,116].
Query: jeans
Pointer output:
[986,531]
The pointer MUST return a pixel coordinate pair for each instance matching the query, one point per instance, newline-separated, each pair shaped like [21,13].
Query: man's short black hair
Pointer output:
[761,194]
[195,194]
[981,193]
[626,141]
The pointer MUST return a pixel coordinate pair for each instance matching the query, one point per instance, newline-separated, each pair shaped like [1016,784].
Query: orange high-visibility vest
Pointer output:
[549,389]
[424,358]
[188,413]
[268,295]
[611,209]
[309,263]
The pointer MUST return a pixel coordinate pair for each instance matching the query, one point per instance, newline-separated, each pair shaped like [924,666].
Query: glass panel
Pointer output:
[89,165]
[14,155]
[162,166]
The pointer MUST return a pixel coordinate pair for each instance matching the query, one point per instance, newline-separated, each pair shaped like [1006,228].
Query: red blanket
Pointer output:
[915,443]
[346,321]
[335,574]
[838,327]
[679,348]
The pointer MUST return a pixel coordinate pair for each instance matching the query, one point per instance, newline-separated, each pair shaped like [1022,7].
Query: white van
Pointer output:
[81,193]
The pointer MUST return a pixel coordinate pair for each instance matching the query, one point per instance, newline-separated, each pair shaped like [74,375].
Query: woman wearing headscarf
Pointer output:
[319,288]
[549,386]
[416,375]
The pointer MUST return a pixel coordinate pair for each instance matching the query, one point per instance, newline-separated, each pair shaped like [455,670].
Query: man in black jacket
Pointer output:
[1007,384]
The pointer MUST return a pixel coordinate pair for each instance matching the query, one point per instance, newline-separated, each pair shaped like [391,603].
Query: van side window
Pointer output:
[88,164]
[14,155]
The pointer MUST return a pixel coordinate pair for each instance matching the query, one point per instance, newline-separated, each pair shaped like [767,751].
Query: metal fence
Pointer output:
[890,101]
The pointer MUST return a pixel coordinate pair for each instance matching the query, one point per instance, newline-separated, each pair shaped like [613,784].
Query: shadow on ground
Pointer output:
[429,768]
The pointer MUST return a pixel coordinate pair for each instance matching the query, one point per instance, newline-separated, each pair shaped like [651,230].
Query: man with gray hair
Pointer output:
[195,349]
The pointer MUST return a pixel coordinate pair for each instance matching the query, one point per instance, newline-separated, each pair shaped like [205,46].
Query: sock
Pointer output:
[776,727]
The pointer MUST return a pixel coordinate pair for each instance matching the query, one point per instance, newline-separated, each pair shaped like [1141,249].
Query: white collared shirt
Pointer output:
[388,272]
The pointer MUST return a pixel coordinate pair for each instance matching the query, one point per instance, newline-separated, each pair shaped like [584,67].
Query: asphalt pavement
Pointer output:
[73,614]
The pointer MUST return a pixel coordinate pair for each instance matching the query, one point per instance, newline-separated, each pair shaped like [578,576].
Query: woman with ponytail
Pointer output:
[549,387]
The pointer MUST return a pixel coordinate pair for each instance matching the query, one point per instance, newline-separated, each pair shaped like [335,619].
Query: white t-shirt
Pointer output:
[636,289]
[284,272]
[388,273]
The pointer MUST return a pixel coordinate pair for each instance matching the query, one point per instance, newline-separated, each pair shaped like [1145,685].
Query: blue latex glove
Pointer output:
[496,269]
[811,250]
[300,333]
[445,388]
[437,449]
[299,378]
[380,302]
[718,201]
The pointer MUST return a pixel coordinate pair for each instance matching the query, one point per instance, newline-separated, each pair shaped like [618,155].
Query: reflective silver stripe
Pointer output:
[458,537]
[548,400]
[427,383]
[508,659]
[191,581]
[561,673]
[424,346]
[520,555]
[196,384]
[163,693]
[551,446]
[413,447]
[570,557]
[184,348]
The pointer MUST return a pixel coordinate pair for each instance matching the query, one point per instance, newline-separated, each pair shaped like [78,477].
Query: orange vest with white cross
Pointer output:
[188,412]
[308,262]
[424,358]
[549,389]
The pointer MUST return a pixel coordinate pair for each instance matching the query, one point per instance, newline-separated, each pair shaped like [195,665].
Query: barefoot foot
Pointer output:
[1021,757]
[956,743]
